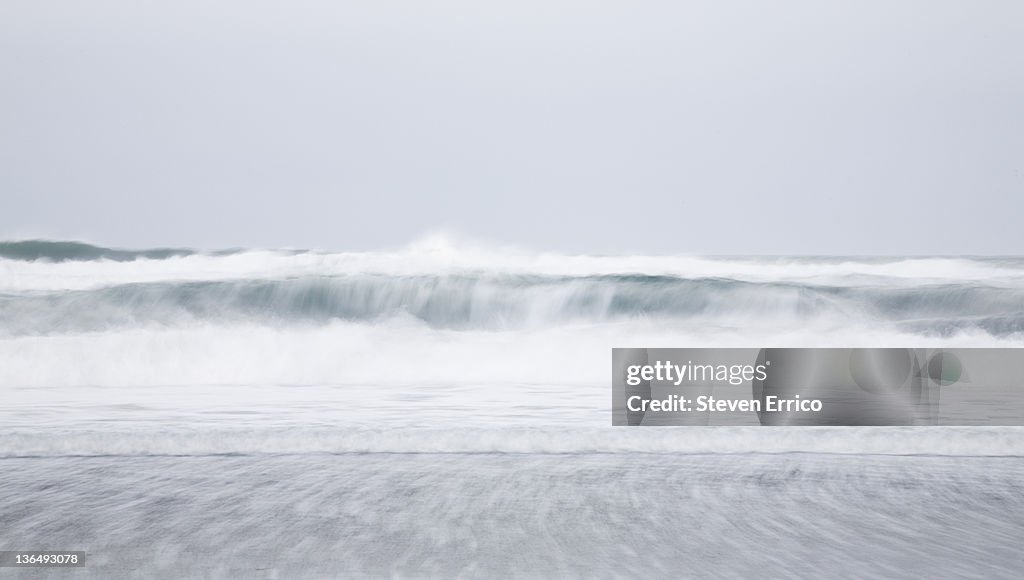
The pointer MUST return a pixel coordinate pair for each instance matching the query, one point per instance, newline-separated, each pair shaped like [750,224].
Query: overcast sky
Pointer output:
[711,127]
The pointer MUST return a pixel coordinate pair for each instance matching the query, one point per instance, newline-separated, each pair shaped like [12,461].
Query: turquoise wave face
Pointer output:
[502,302]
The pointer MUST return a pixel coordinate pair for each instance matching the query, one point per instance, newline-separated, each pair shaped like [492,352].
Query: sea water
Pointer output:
[444,410]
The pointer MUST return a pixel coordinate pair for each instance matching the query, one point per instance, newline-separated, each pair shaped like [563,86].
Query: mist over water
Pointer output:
[439,346]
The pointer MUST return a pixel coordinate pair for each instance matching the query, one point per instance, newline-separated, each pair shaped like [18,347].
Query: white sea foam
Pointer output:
[941,441]
[400,351]
[439,255]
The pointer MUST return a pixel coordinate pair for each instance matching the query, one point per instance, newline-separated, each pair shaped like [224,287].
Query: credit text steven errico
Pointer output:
[666,371]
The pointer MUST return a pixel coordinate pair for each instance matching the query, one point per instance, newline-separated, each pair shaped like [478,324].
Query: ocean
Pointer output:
[444,410]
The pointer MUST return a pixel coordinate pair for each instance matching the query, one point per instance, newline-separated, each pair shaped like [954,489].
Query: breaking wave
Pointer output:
[439,347]
[62,287]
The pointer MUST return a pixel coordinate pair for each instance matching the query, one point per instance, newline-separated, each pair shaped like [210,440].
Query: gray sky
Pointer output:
[715,127]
